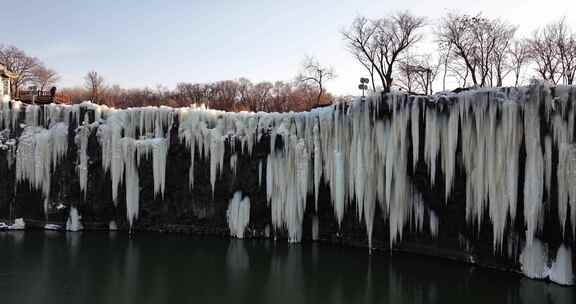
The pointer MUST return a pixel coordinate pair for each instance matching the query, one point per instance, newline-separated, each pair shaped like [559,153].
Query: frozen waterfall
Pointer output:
[510,150]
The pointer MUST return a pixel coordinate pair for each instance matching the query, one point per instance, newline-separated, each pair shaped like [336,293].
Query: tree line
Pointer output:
[27,70]
[472,50]
[230,95]
[306,91]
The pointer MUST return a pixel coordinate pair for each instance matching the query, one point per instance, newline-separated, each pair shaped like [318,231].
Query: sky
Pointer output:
[150,43]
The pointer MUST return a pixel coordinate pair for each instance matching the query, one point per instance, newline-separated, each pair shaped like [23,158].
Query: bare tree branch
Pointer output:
[377,44]
[313,72]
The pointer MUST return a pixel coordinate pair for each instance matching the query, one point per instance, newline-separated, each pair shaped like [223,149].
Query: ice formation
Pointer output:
[39,152]
[19,224]
[238,214]
[73,223]
[82,135]
[534,260]
[433,224]
[52,227]
[315,228]
[501,145]
[561,270]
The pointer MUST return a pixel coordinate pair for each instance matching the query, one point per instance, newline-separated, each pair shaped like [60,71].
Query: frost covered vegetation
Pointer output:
[511,151]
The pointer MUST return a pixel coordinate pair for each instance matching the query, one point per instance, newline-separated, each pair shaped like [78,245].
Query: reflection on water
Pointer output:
[52,267]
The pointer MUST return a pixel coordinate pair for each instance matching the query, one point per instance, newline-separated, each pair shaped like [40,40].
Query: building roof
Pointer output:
[4,72]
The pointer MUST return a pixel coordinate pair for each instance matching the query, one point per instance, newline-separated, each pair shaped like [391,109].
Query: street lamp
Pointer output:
[363,85]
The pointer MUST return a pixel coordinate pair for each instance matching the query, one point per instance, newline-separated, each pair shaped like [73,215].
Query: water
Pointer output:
[51,267]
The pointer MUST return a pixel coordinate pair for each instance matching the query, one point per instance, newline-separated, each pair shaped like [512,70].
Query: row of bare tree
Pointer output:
[305,92]
[473,50]
[27,70]
[230,95]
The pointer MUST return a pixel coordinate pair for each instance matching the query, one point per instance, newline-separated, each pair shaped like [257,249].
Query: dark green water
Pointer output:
[38,267]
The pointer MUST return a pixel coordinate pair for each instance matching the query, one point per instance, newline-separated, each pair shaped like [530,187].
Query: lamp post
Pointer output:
[363,85]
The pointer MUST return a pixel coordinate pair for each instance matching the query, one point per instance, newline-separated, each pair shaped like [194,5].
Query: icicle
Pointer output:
[110,136]
[159,149]
[548,165]
[267,231]
[317,163]
[432,143]
[234,164]
[260,173]
[132,180]
[215,141]
[315,228]
[433,224]
[566,174]
[81,138]
[339,186]
[15,113]
[415,128]
[32,115]
[534,177]
[449,151]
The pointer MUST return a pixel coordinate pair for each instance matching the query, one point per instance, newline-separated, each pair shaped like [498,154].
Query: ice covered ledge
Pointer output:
[481,176]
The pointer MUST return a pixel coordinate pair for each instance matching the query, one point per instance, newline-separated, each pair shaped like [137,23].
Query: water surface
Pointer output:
[51,267]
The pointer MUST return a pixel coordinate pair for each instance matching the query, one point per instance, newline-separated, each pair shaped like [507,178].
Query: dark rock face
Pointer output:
[200,211]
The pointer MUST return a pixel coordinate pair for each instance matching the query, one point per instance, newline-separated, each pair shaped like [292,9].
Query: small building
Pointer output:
[5,80]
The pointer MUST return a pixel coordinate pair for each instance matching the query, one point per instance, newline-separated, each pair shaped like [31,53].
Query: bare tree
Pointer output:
[19,63]
[566,48]
[94,83]
[422,70]
[543,52]
[244,89]
[44,77]
[445,54]
[499,62]
[258,95]
[378,44]
[192,93]
[518,58]
[406,75]
[359,41]
[478,43]
[313,72]
[223,95]
[459,71]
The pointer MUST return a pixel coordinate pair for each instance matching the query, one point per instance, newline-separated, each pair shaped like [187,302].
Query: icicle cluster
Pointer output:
[39,151]
[127,138]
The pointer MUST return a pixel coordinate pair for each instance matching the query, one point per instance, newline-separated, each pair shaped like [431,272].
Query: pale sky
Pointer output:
[145,43]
